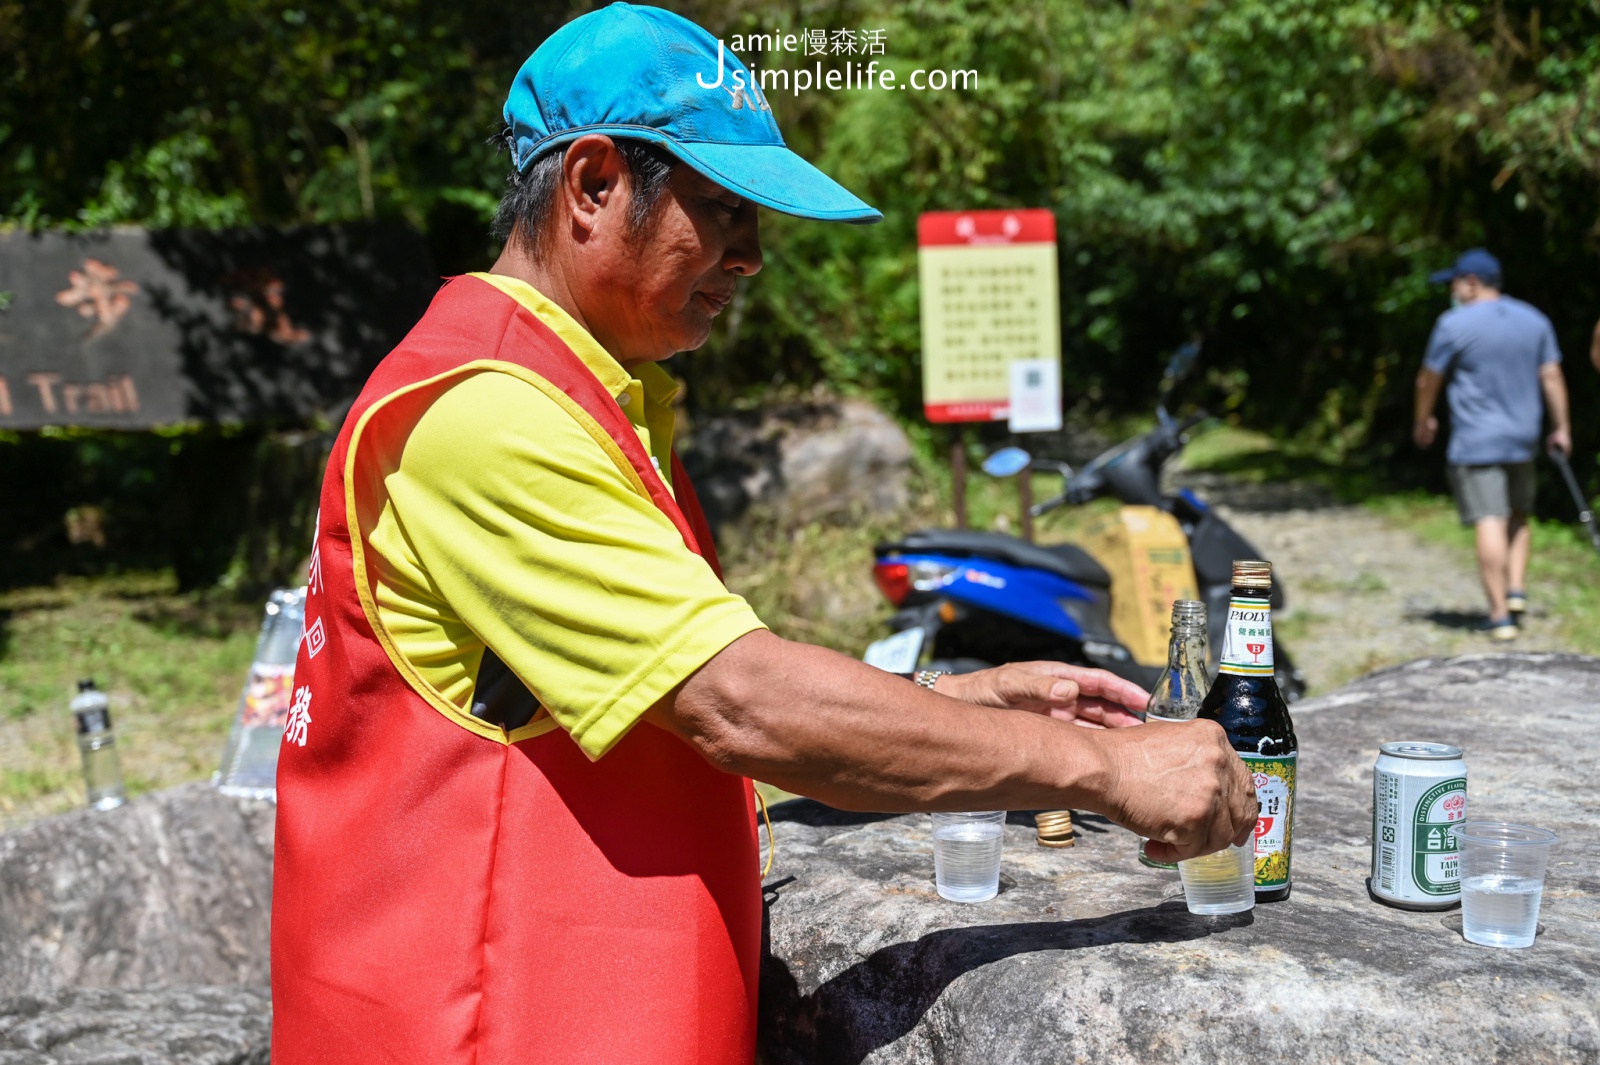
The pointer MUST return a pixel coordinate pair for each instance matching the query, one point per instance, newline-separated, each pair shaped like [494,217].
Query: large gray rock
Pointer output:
[171,1026]
[173,888]
[821,459]
[1087,956]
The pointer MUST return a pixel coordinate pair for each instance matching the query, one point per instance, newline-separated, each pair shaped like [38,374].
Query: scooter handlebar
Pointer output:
[1080,489]
[1087,483]
[1048,505]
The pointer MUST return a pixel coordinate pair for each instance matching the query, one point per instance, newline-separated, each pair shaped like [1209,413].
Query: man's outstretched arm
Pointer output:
[815,722]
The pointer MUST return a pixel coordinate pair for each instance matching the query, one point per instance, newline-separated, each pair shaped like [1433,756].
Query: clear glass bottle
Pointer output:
[1182,688]
[1246,702]
[102,775]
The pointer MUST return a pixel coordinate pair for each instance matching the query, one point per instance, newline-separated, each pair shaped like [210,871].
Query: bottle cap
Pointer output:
[1252,573]
[86,684]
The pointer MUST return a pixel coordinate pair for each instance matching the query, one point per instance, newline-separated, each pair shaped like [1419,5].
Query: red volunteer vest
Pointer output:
[442,896]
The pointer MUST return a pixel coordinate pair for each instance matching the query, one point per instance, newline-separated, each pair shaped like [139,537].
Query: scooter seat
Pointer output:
[1066,560]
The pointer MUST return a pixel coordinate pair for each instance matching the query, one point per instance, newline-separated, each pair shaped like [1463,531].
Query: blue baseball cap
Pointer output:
[645,73]
[1477,262]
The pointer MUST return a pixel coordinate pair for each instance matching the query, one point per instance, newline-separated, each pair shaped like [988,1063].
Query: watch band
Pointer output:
[927,678]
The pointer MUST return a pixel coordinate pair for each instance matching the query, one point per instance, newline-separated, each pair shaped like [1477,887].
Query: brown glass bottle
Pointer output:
[1246,702]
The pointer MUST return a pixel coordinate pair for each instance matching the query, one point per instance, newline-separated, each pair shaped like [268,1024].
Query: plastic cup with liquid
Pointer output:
[1502,881]
[966,854]
[1224,882]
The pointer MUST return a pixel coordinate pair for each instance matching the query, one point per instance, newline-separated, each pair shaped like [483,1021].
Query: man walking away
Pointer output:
[1498,354]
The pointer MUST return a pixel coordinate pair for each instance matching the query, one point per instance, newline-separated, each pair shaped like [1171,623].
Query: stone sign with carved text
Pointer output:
[131,328]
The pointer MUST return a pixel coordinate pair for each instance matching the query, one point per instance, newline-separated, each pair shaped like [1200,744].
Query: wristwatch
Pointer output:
[927,678]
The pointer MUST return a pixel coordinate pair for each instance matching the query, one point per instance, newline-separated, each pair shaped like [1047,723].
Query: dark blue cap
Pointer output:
[1477,262]
[641,72]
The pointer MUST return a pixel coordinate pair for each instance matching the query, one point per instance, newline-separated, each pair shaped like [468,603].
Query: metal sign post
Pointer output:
[991,326]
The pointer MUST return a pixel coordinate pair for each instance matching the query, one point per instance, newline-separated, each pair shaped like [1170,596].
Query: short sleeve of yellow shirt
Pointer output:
[506,526]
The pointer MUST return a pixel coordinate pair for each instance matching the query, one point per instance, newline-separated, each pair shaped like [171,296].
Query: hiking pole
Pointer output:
[1585,514]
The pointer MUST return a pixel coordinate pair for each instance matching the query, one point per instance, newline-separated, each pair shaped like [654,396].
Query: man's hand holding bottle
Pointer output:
[1180,785]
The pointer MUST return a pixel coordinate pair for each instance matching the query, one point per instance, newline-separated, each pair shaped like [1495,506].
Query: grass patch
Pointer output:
[1244,454]
[171,664]
[1296,626]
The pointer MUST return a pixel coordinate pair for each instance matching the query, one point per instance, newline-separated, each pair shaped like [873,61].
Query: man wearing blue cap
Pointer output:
[1498,354]
[517,824]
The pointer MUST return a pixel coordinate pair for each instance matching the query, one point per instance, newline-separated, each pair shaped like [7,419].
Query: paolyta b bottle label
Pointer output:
[1274,781]
[1247,640]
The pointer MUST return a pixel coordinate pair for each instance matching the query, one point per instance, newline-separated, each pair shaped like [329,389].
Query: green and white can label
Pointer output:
[1416,810]
[1274,780]
[1435,857]
[1247,640]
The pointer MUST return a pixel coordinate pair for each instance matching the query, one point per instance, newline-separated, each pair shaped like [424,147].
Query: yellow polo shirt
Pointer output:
[505,526]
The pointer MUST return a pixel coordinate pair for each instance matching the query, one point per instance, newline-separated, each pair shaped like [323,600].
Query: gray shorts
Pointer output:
[1492,491]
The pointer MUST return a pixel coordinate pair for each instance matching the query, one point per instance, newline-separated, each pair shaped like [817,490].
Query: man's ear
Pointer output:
[592,182]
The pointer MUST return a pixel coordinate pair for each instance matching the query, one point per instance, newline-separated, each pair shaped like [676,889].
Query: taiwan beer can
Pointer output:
[1419,799]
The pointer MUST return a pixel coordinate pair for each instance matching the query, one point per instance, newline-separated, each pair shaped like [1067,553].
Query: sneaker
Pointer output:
[1500,629]
[1517,603]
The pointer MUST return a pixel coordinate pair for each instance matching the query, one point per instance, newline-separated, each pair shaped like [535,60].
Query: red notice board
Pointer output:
[989,299]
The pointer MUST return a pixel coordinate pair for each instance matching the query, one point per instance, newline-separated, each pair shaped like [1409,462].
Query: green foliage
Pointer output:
[216,112]
[161,188]
[1275,176]
[228,505]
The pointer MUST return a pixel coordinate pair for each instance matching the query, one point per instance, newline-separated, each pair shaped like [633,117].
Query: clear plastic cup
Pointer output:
[966,855]
[1224,882]
[1502,881]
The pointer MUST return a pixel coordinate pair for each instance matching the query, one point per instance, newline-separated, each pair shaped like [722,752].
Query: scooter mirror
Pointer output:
[1007,462]
[1182,360]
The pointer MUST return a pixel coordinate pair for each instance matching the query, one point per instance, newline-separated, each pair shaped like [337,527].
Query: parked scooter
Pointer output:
[968,600]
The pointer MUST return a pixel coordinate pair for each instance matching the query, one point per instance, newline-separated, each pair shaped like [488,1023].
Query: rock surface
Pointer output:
[172,888]
[1084,956]
[1087,956]
[172,1026]
[809,461]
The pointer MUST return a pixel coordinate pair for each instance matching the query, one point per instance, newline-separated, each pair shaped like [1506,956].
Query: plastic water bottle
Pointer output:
[102,776]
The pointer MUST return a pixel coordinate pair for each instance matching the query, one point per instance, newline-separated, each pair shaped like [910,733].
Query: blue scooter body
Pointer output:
[1027,595]
[984,599]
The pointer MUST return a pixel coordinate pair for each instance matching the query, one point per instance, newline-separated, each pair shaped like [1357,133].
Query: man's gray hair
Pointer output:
[531,194]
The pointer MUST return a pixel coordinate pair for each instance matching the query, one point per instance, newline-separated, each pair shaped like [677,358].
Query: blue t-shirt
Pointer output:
[1491,352]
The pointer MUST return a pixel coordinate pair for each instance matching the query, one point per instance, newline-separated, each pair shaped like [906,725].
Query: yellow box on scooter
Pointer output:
[1147,554]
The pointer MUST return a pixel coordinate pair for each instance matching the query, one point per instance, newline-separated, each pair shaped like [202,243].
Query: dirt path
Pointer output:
[1363,592]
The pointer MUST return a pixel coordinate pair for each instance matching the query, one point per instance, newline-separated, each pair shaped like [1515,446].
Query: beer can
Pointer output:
[1419,798]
